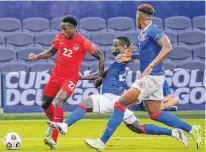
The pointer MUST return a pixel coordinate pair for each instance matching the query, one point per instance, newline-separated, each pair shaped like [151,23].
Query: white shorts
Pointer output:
[105,104]
[150,87]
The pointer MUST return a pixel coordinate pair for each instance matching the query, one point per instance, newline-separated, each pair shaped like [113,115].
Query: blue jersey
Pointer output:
[166,89]
[115,79]
[149,49]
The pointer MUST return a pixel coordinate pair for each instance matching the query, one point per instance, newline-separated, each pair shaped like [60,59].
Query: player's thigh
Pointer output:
[152,106]
[69,85]
[129,117]
[52,87]
[129,97]
[102,104]
[88,104]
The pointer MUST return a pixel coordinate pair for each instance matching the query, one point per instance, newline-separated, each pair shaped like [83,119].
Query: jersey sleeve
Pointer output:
[89,47]
[156,34]
[166,89]
[55,43]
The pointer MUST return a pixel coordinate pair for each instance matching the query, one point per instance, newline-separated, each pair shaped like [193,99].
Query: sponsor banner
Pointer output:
[22,91]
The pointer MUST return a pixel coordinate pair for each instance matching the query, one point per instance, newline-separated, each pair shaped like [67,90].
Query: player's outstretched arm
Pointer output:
[98,54]
[44,55]
[93,76]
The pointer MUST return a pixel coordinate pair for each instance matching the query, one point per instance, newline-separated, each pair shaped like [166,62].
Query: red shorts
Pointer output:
[56,83]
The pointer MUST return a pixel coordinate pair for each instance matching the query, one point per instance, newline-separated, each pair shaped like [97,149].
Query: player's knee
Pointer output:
[59,102]
[46,101]
[88,104]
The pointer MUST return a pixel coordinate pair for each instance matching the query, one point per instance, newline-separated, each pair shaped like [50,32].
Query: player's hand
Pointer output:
[126,57]
[130,49]
[32,57]
[147,71]
[98,82]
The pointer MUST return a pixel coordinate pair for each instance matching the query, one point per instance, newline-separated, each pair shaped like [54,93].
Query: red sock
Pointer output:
[58,117]
[50,112]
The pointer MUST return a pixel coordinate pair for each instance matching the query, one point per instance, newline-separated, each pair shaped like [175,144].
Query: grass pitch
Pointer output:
[32,133]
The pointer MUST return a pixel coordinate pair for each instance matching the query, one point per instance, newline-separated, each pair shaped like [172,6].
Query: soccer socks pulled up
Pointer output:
[76,115]
[50,112]
[151,129]
[114,121]
[171,120]
[58,117]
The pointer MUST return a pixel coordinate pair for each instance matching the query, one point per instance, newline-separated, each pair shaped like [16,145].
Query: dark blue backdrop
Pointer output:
[106,10]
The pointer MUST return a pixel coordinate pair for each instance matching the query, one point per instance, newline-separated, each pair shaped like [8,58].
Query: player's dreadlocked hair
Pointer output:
[124,40]
[70,19]
[146,9]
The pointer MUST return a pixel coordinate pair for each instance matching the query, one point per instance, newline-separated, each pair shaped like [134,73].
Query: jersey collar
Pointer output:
[146,28]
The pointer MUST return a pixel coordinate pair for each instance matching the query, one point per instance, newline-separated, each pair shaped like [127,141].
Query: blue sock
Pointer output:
[76,115]
[173,108]
[114,121]
[151,129]
[171,120]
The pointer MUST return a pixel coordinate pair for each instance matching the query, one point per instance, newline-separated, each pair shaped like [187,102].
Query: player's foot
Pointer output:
[179,135]
[196,134]
[48,132]
[98,145]
[51,143]
[62,127]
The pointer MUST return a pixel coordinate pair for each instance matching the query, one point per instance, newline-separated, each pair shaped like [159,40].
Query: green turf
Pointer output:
[142,114]
[123,140]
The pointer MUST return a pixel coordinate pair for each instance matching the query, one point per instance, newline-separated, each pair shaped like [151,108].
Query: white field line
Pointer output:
[115,138]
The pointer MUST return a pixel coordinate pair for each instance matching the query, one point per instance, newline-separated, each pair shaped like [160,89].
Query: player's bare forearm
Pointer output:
[47,53]
[164,43]
[93,76]
[98,54]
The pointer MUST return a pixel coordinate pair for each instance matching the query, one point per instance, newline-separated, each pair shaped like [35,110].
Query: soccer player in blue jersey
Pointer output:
[169,102]
[154,46]
[114,84]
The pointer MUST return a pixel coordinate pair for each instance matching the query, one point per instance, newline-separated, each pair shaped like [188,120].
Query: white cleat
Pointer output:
[62,127]
[179,135]
[98,145]
[196,134]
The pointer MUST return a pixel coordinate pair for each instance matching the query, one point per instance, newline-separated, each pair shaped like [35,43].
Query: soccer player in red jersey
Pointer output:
[70,47]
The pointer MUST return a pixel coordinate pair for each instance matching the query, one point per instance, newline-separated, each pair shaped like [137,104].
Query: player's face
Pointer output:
[117,47]
[138,20]
[68,30]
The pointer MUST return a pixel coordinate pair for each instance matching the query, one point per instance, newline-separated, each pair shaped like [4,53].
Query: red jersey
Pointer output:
[70,55]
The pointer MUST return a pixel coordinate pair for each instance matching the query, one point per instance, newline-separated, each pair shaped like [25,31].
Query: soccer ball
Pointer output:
[12,141]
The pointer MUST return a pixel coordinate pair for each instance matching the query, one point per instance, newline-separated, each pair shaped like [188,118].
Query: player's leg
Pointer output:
[50,92]
[61,98]
[94,103]
[67,88]
[155,113]
[150,129]
[129,97]
[79,112]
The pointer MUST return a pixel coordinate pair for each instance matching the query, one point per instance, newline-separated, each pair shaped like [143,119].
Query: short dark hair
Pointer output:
[124,40]
[146,9]
[70,19]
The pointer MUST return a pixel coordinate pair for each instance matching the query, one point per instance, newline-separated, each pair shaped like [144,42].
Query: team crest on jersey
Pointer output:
[93,46]
[75,47]
[143,36]
[141,84]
